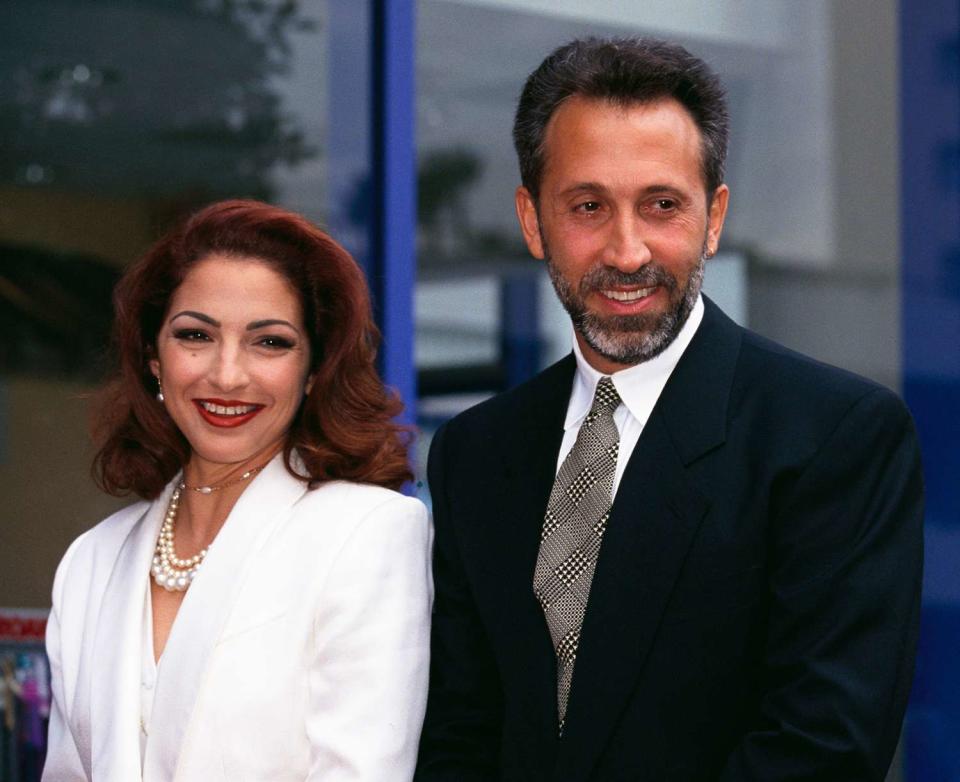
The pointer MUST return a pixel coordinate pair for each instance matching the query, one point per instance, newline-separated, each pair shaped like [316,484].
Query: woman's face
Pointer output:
[233,356]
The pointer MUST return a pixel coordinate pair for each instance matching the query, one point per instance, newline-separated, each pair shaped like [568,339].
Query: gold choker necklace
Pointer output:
[210,489]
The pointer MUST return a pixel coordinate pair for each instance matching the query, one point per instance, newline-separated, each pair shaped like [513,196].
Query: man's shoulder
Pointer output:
[510,418]
[769,360]
[547,390]
[770,366]
[791,395]
[775,369]
[749,382]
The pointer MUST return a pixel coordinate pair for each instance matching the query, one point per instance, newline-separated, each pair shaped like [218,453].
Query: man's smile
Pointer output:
[628,295]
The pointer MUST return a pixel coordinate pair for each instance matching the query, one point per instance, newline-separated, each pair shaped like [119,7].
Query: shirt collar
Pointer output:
[639,386]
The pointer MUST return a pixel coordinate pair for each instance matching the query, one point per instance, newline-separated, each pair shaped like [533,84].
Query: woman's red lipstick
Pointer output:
[226,420]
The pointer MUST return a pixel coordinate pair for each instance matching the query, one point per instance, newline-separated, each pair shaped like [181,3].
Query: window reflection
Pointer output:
[116,118]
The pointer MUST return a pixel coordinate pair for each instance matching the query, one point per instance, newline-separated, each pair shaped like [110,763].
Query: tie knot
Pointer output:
[605,399]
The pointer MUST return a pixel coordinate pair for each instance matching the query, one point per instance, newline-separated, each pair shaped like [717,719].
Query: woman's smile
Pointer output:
[233,359]
[224,413]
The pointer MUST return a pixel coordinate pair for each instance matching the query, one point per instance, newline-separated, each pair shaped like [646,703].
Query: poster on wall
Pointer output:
[24,694]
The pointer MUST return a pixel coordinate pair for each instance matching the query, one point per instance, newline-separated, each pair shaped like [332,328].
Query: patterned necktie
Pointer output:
[573,528]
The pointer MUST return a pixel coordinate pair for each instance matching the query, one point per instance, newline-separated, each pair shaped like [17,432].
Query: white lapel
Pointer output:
[206,607]
[115,656]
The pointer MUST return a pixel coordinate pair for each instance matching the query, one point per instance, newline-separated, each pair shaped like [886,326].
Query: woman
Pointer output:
[263,614]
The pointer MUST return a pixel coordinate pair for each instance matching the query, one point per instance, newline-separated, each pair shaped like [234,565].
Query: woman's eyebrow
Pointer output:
[198,316]
[259,324]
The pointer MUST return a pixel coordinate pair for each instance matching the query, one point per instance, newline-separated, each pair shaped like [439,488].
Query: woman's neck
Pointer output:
[209,477]
[209,492]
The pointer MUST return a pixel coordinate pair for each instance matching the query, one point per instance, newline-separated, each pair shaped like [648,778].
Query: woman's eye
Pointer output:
[275,342]
[191,335]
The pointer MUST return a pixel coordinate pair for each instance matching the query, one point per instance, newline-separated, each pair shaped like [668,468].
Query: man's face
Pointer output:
[623,224]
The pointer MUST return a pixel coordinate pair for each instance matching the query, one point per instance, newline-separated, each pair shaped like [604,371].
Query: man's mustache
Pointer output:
[647,276]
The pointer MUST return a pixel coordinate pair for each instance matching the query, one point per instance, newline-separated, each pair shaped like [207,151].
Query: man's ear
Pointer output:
[529,221]
[718,213]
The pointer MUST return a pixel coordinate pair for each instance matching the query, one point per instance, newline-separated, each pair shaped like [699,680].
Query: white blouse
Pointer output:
[149,668]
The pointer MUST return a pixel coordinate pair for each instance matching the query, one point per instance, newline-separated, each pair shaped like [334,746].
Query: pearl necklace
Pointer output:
[168,570]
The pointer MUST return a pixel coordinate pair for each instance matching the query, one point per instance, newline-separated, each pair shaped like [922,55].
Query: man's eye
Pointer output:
[588,206]
[665,204]
[190,335]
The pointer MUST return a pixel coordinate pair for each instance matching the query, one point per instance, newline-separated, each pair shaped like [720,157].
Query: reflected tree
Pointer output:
[448,233]
[165,103]
[443,179]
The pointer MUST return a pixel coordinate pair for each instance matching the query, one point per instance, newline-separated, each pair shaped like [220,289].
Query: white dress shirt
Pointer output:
[639,387]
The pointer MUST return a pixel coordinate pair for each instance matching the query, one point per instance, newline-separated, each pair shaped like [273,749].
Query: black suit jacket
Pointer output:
[754,610]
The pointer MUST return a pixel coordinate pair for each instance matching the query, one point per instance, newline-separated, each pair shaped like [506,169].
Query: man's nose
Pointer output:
[229,370]
[626,247]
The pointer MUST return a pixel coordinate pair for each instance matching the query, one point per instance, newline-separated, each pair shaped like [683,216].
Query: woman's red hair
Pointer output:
[344,428]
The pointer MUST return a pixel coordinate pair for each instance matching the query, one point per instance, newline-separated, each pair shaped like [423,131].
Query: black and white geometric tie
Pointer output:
[573,528]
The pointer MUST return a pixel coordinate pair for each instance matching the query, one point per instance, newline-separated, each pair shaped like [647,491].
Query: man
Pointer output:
[684,553]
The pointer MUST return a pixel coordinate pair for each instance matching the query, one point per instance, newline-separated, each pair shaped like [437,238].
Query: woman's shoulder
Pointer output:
[107,535]
[99,544]
[115,527]
[338,509]
[362,499]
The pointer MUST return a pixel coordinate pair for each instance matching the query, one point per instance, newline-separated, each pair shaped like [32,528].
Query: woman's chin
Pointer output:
[220,456]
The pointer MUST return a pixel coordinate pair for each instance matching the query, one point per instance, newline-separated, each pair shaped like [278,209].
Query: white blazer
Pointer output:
[300,651]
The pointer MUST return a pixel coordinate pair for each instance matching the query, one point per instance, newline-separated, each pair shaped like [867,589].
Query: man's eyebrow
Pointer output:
[665,189]
[198,316]
[259,324]
[596,187]
[584,187]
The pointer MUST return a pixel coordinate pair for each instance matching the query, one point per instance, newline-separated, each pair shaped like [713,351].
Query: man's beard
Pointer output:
[629,339]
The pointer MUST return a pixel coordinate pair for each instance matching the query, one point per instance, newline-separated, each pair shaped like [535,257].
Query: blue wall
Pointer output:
[372,172]
[930,198]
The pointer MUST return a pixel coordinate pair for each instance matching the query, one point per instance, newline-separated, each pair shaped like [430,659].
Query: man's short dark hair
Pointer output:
[624,71]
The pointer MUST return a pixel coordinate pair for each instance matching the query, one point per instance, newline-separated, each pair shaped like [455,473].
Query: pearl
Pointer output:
[168,570]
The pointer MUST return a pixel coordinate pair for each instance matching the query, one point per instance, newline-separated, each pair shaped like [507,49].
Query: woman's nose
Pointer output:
[230,369]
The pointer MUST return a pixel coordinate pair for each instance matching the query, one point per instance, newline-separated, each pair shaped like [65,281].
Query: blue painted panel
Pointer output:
[931,729]
[394,192]
[372,167]
[520,342]
[930,197]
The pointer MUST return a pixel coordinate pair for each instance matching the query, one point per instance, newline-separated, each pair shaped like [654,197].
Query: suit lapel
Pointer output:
[205,610]
[530,461]
[656,515]
[116,655]
[654,520]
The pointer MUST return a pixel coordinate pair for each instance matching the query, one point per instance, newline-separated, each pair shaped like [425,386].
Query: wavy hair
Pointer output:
[344,428]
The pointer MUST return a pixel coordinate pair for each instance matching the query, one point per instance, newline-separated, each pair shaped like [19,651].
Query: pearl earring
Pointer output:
[159,390]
